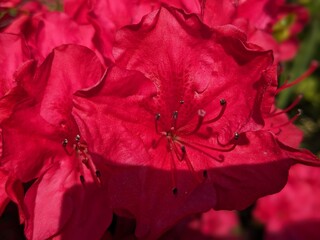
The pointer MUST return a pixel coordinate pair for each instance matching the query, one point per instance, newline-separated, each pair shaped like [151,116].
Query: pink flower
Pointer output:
[13,55]
[271,24]
[194,140]
[41,141]
[4,200]
[109,16]
[37,30]
[284,131]
[294,212]
[13,52]
[205,226]
[39,27]
[46,110]
[71,210]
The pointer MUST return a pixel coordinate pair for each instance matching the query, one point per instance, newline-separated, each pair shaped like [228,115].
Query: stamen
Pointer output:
[209,147]
[292,105]
[64,145]
[77,138]
[82,180]
[64,142]
[181,102]
[221,159]
[205,174]
[157,118]
[201,114]
[155,143]
[190,166]
[295,117]
[85,161]
[184,152]
[175,149]
[174,117]
[222,101]
[175,191]
[83,158]
[236,135]
[312,68]
[223,104]
[98,173]
[173,170]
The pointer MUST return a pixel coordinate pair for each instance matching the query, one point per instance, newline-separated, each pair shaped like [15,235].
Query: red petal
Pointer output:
[68,69]
[58,205]
[13,52]
[198,65]
[4,200]
[216,13]
[41,121]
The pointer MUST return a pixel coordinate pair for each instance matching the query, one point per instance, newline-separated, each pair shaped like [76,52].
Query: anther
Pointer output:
[98,174]
[184,152]
[236,135]
[64,142]
[157,117]
[222,101]
[205,173]
[175,191]
[77,138]
[175,115]
[299,112]
[181,102]
[201,113]
[223,104]
[82,180]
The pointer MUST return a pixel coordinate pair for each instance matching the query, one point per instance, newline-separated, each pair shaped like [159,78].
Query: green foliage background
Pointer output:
[309,50]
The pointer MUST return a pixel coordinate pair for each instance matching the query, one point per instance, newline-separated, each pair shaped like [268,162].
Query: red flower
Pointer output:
[268,23]
[205,226]
[13,52]
[71,210]
[294,212]
[189,143]
[284,131]
[37,29]
[41,140]
[4,199]
[109,16]
[46,110]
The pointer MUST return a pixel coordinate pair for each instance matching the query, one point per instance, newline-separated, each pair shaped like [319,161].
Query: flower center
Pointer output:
[179,138]
[79,150]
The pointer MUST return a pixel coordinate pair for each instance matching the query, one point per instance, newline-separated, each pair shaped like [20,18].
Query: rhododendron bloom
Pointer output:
[13,52]
[205,226]
[271,24]
[190,142]
[49,111]
[285,132]
[41,140]
[4,199]
[294,212]
[108,16]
